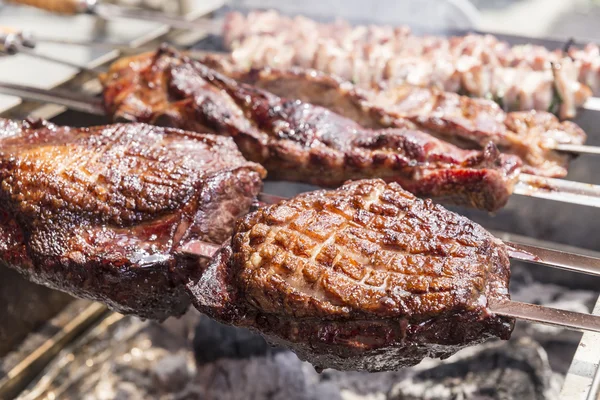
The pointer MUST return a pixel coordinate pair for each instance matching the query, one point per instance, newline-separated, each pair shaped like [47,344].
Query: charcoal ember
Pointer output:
[172,372]
[561,344]
[280,376]
[517,370]
[214,340]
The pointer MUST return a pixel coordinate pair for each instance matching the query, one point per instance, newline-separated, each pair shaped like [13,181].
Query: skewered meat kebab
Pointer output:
[97,212]
[463,121]
[459,119]
[298,141]
[480,66]
[342,277]
[365,277]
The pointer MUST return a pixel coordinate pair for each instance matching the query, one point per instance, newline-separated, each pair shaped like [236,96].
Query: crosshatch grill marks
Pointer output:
[102,208]
[125,173]
[370,245]
[329,275]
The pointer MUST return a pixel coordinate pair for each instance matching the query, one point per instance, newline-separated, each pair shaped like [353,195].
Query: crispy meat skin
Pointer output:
[461,120]
[365,277]
[98,212]
[301,142]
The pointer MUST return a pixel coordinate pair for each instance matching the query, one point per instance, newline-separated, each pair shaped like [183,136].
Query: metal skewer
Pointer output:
[576,149]
[554,258]
[11,40]
[74,101]
[528,185]
[15,42]
[31,53]
[561,190]
[547,315]
[112,11]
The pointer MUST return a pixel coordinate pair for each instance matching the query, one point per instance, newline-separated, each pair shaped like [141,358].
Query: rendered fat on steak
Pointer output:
[365,277]
[298,141]
[97,212]
[464,121]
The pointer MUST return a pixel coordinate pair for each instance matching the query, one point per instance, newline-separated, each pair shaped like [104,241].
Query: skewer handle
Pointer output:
[67,7]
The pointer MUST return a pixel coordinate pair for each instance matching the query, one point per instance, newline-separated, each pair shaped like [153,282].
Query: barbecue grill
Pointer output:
[525,216]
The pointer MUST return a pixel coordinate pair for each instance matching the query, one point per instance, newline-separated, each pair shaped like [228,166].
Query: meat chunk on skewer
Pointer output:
[461,120]
[97,212]
[365,277]
[519,78]
[298,141]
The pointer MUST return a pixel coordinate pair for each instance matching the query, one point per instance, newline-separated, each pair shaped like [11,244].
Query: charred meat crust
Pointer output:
[98,212]
[298,141]
[464,121]
[365,277]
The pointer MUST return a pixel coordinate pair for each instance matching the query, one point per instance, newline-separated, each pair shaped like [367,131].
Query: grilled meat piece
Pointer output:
[461,120]
[519,78]
[301,142]
[97,212]
[365,277]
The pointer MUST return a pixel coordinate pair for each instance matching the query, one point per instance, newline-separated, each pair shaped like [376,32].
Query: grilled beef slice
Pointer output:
[365,277]
[97,212]
[298,141]
[464,121]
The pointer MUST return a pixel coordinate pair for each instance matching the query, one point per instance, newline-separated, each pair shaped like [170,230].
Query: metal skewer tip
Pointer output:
[198,248]
[554,258]
[558,190]
[577,149]
[547,315]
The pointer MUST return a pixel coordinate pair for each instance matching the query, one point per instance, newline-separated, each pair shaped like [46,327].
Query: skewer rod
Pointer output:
[558,190]
[554,258]
[70,100]
[577,149]
[31,53]
[548,316]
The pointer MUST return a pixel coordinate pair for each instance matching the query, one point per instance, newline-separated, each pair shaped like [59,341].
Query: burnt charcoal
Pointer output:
[214,340]
[517,370]
[99,212]
[365,277]
[297,141]
[129,357]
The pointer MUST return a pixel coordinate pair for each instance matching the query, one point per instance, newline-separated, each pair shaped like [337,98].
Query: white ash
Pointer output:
[139,360]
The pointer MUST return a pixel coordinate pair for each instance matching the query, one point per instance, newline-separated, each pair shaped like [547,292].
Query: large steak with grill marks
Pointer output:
[98,212]
[365,277]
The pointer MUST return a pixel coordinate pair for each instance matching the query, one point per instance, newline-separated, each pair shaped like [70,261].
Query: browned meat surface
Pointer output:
[97,212]
[519,78]
[461,120]
[301,142]
[365,277]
